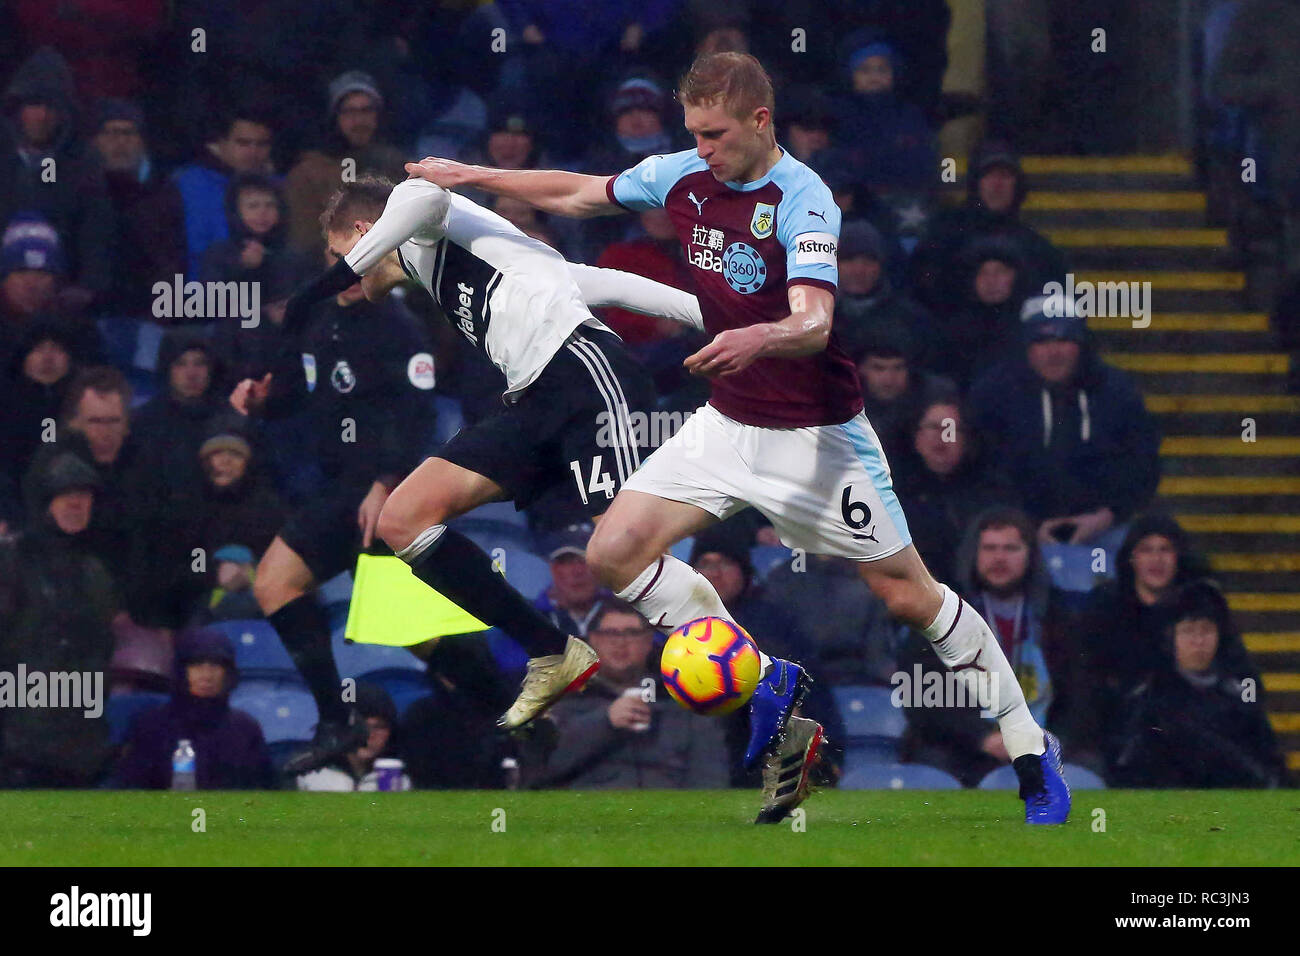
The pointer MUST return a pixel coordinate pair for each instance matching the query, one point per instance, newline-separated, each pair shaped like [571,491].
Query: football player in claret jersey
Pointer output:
[783,430]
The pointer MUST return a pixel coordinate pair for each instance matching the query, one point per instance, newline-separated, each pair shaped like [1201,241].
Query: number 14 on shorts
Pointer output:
[600,480]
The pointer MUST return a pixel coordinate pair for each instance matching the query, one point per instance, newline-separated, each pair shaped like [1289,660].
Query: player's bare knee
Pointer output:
[401,521]
[614,555]
[272,592]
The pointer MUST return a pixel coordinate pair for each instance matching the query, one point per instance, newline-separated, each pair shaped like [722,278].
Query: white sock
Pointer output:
[670,593]
[961,638]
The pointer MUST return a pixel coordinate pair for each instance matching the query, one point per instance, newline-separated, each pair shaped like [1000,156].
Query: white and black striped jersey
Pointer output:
[510,295]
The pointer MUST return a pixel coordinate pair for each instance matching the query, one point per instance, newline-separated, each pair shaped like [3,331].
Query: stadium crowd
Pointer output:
[146,145]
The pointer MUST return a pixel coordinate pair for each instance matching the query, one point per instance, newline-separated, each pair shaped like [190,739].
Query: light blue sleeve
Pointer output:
[646,185]
[808,226]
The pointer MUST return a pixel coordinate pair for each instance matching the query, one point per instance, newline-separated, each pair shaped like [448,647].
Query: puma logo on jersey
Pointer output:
[819,215]
[699,203]
[465,311]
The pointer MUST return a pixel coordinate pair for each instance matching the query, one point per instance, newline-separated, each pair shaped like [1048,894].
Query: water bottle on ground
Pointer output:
[183,766]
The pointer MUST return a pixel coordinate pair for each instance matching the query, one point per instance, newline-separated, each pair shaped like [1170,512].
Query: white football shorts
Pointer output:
[825,488]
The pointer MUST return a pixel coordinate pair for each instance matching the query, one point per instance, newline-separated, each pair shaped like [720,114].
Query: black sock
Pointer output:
[458,569]
[304,630]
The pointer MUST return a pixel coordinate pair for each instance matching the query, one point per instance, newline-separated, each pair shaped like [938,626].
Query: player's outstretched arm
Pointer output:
[551,190]
[602,288]
[805,331]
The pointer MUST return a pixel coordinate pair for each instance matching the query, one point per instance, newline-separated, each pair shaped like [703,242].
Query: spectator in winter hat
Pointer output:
[996,189]
[354,140]
[32,266]
[1072,431]
[41,111]
[229,747]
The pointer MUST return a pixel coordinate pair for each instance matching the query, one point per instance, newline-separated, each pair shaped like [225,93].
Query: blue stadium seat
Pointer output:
[403,686]
[286,713]
[682,549]
[353,660]
[529,574]
[868,713]
[1079,778]
[766,558]
[121,709]
[336,589]
[502,512]
[488,533]
[258,651]
[510,657]
[873,754]
[897,776]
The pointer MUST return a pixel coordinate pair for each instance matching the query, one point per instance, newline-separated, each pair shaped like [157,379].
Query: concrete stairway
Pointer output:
[1210,372]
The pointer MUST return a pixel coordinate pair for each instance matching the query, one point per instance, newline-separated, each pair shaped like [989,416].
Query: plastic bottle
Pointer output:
[183,777]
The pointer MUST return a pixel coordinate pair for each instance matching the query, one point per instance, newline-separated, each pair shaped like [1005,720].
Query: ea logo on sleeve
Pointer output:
[743,268]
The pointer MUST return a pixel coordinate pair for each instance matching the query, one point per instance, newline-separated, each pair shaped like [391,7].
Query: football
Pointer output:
[710,666]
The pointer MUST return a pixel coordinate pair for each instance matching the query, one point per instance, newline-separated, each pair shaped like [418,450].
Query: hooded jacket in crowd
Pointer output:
[199,514]
[1194,730]
[168,429]
[935,276]
[27,404]
[76,201]
[974,336]
[1070,448]
[889,139]
[57,601]
[229,748]
[283,267]
[1123,637]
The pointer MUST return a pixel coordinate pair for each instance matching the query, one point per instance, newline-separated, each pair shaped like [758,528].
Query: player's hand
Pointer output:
[1089,525]
[443,172]
[368,513]
[729,352]
[250,394]
[251,256]
[629,713]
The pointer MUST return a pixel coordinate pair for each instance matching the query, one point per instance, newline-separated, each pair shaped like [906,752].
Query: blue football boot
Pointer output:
[777,694]
[1042,784]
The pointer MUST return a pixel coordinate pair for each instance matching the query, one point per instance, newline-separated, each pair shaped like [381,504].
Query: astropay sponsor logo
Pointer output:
[815,247]
[102,910]
[82,690]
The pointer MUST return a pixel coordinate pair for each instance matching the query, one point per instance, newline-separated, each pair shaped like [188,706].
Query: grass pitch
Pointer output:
[873,828]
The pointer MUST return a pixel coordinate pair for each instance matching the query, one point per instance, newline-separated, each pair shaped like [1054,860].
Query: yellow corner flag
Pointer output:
[391,606]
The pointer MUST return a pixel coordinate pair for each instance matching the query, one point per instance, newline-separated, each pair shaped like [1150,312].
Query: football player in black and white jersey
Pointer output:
[571,392]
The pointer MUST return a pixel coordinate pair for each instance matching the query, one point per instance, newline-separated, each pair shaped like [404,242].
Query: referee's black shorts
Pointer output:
[324,530]
[580,425]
